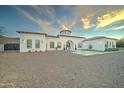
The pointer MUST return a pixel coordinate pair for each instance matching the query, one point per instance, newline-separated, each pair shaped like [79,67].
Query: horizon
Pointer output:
[94,20]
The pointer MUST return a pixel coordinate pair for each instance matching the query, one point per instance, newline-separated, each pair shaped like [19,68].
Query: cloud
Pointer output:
[118,28]
[114,28]
[72,24]
[49,12]
[46,11]
[30,17]
[43,24]
[86,23]
[66,23]
[64,27]
[48,18]
[85,10]
[44,17]
[110,18]
[85,14]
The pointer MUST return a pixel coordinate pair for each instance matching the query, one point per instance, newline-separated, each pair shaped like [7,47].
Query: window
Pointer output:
[52,44]
[29,43]
[113,46]
[79,45]
[58,44]
[37,43]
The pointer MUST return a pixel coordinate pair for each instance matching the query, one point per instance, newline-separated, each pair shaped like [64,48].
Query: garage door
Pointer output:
[11,46]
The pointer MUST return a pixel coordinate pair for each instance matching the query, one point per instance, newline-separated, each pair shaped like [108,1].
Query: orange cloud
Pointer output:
[110,18]
[86,23]
[64,27]
[66,24]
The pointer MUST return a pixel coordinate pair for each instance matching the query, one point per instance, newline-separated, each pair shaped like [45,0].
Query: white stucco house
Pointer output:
[35,42]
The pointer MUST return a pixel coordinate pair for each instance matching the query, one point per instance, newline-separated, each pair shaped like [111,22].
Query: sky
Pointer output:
[85,20]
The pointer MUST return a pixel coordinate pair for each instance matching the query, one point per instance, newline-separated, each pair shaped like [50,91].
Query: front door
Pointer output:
[69,45]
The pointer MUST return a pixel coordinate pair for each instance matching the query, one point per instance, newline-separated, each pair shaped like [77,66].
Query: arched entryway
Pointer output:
[69,45]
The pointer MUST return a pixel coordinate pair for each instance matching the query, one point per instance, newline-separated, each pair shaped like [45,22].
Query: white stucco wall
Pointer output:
[73,39]
[110,42]
[98,44]
[63,41]
[33,37]
[52,39]
[1,47]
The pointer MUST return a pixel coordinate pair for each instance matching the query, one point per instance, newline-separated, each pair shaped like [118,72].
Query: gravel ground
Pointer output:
[61,69]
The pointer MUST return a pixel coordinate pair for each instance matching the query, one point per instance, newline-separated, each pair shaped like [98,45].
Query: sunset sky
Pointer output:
[85,21]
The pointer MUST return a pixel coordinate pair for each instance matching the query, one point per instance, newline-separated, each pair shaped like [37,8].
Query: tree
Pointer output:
[120,43]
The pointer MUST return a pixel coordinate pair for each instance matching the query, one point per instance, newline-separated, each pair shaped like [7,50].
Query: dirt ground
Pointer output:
[61,69]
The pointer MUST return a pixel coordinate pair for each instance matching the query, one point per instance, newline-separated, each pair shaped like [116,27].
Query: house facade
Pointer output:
[32,42]
[36,42]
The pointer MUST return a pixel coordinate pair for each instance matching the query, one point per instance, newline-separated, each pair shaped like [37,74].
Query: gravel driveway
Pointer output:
[61,69]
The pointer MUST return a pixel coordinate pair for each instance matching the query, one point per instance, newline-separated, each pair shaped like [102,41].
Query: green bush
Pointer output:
[111,49]
[90,46]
